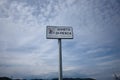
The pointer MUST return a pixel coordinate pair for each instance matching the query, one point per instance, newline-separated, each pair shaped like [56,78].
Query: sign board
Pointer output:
[59,32]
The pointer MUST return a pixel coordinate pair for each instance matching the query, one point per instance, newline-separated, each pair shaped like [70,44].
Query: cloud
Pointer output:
[22,42]
[24,47]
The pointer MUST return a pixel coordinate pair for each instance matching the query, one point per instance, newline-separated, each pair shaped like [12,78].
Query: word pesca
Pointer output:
[64,31]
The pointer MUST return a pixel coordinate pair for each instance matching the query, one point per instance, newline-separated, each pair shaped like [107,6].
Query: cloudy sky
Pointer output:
[26,53]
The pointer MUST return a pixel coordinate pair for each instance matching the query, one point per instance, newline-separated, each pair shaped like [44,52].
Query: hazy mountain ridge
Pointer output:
[7,78]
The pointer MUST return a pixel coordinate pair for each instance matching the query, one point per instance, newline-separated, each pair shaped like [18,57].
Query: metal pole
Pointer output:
[60,59]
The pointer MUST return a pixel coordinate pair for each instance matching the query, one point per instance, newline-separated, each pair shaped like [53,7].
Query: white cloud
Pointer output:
[21,32]
[110,63]
[24,45]
[104,57]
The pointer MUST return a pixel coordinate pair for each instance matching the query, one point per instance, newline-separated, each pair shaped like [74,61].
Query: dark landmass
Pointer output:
[75,79]
[7,78]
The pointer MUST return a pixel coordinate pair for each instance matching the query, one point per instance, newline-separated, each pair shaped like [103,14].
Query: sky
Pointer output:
[26,53]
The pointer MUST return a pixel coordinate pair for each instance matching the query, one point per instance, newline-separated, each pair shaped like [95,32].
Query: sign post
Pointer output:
[60,59]
[59,32]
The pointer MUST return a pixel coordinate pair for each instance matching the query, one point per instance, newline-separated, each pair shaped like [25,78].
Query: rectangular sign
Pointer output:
[56,32]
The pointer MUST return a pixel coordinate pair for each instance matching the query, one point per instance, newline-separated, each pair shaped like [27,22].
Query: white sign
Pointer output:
[56,32]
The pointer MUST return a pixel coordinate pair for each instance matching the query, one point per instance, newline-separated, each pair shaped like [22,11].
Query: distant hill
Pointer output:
[75,79]
[5,78]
